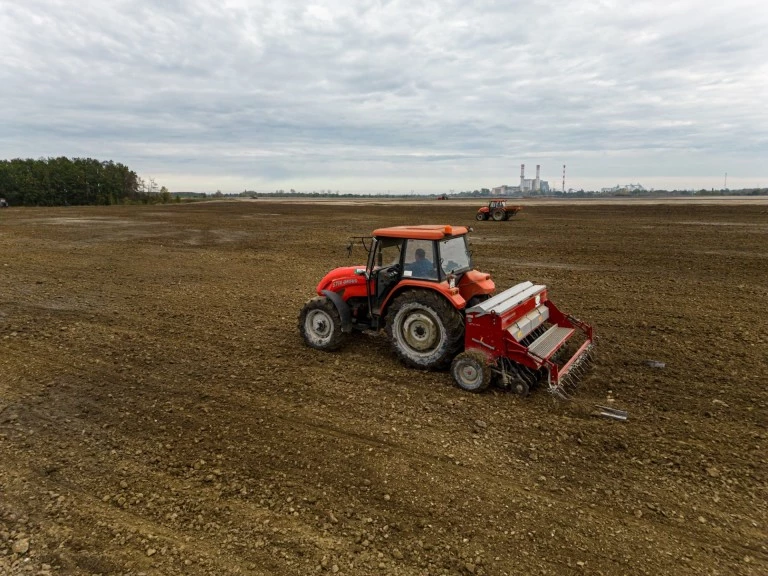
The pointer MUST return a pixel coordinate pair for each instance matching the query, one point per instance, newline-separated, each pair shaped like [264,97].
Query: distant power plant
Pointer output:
[534,185]
[527,185]
[539,186]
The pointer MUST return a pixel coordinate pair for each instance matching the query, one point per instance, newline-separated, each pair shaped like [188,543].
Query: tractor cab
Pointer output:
[431,259]
[437,255]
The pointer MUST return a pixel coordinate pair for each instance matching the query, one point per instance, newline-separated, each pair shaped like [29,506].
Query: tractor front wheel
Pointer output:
[425,330]
[479,216]
[471,371]
[320,324]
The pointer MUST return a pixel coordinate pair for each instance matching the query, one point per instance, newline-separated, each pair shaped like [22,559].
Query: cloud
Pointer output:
[375,94]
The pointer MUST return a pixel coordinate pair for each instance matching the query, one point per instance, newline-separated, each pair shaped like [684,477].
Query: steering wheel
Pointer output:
[393,271]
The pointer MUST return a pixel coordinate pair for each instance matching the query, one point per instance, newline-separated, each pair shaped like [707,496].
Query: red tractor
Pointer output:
[419,285]
[497,210]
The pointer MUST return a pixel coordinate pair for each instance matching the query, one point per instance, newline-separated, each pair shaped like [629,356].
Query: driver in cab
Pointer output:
[421,267]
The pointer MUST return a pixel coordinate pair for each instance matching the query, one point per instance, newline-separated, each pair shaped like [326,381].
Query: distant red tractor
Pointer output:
[497,210]
[438,311]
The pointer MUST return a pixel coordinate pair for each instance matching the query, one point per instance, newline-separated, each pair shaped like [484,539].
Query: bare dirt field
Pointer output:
[160,415]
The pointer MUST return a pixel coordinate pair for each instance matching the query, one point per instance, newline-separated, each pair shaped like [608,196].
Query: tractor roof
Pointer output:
[422,232]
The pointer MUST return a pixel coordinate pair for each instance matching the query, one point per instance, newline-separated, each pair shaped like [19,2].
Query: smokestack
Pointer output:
[563,178]
[522,175]
[537,184]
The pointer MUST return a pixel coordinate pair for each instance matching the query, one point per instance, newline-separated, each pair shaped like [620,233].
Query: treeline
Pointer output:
[79,181]
[315,194]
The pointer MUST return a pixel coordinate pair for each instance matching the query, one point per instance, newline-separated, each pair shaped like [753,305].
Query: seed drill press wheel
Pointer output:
[471,371]
[515,377]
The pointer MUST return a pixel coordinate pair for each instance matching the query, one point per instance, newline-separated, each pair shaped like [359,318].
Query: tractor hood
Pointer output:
[341,278]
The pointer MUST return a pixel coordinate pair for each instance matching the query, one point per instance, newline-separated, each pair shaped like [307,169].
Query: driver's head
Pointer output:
[420,254]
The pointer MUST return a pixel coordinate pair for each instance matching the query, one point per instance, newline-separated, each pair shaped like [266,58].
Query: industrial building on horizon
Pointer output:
[626,188]
[527,185]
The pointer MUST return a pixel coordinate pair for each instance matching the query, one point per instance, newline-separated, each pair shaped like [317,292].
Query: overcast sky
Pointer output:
[371,96]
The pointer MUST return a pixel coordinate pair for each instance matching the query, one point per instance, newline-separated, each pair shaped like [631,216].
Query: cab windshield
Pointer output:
[454,255]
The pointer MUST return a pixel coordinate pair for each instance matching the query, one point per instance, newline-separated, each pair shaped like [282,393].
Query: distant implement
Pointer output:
[497,210]
[3,203]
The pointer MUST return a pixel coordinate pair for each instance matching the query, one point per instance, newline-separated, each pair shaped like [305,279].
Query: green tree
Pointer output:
[61,181]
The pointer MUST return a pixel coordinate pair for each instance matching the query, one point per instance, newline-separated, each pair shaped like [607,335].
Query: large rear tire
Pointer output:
[320,324]
[425,330]
[498,214]
[471,371]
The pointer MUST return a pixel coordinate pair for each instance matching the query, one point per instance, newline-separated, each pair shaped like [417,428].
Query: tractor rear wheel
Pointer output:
[320,324]
[498,214]
[471,371]
[425,330]
[479,216]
